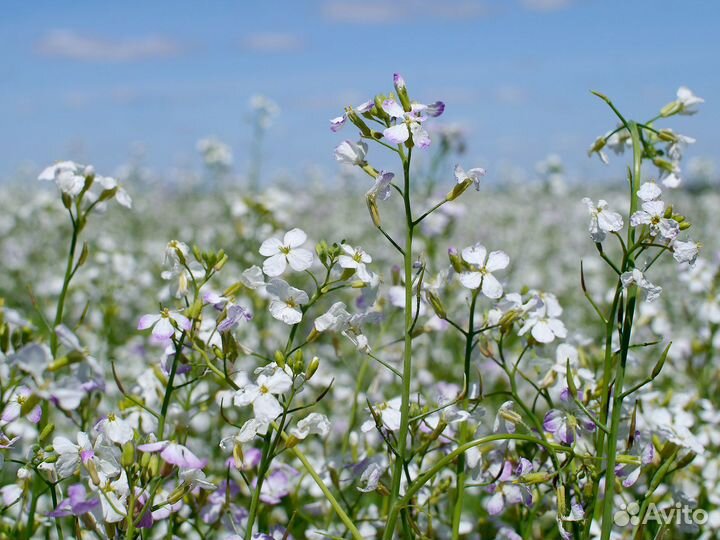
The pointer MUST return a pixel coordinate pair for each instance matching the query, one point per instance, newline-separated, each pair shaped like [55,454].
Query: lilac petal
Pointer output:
[153,447]
[553,420]
[496,504]
[435,109]
[393,108]
[397,134]
[146,321]
[337,123]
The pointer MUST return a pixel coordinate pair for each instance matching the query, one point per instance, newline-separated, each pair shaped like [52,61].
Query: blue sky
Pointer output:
[92,80]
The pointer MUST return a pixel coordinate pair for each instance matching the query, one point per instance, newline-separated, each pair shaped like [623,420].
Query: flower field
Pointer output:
[414,352]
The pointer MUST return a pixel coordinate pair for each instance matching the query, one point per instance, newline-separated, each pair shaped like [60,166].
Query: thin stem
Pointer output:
[407,353]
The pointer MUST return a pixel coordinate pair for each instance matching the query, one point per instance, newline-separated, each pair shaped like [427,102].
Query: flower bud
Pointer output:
[221,262]
[46,432]
[668,212]
[667,135]
[402,93]
[128,454]
[455,259]
[685,225]
[670,109]
[280,359]
[359,122]
[459,189]
[92,471]
[663,164]
[436,304]
[374,211]
[312,368]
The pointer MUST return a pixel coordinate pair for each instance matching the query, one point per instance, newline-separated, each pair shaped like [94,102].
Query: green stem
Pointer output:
[424,478]
[66,283]
[607,514]
[460,468]
[407,354]
[169,389]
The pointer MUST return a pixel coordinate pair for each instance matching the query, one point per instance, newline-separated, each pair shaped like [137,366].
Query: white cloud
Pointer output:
[546,5]
[393,12]
[75,46]
[273,42]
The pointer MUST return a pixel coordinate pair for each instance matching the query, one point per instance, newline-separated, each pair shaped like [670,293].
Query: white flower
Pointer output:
[116,429]
[688,101]
[266,407]
[389,413]
[672,179]
[314,423]
[113,496]
[649,191]
[355,258]
[473,174]
[602,220]
[337,319]
[543,327]
[121,196]
[195,478]
[351,153]
[286,301]
[163,329]
[482,265]
[636,277]
[652,214]
[280,253]
[67,175]
[98,458]
[685,251]
[175,254]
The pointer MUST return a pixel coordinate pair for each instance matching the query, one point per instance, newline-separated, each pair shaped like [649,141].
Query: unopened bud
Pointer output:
[455,260]
[92,471]
[667,135]
[668,212]
[46,432]
[374,211]
[402,93]
[685,225]
[671,108]
[663,164]
[436,304]
[312,368]
[222,262]
[128,454]
[280,359]
[359,122]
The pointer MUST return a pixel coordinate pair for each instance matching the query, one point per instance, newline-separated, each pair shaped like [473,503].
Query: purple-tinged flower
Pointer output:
[13,409]
[505,490]
[474,175]
[162,323]
[277,485]
[407,124]
[234,316]
[75,504]
[565,423]
[640,456]
[338,122]
[6,443]
[175,454]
